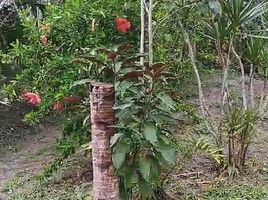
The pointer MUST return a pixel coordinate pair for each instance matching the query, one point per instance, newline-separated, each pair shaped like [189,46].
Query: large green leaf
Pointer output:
[155,168]
[119,154]
[150,133]
[166,100]
[169,155]
[145,188]
[145,168]
[118,159]
[115,138]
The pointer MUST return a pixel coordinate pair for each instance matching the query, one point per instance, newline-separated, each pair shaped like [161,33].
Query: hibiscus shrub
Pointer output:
[46,56]
[46,51]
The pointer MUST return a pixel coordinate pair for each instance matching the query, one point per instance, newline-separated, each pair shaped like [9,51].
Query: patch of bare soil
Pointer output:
[19,142]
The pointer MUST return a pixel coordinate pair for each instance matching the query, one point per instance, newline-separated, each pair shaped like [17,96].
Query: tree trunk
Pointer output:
[105,181]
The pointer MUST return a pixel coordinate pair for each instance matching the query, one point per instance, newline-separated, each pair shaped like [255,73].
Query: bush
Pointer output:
[46,51]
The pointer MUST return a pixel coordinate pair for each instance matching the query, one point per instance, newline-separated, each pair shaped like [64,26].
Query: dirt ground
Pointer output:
[19,142]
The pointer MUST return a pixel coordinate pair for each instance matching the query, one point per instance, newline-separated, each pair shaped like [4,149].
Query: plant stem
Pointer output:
[242,78]
[150,32]
[251,86]
[142,36]
[199,83]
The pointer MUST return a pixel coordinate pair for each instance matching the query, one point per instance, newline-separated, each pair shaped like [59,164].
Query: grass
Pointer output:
[67,183]
[48,192]
[236,192]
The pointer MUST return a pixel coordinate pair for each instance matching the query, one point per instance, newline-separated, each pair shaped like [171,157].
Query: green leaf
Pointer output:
[145,188]
[168,155]
[145,168]
[81,82]
[215,6]
[84,59]
[115,138]
[150,133]
[119,154]
[122,106]
[129,176]
[118,67]
[124,85]
[167,100]
[118,159]
[155,168]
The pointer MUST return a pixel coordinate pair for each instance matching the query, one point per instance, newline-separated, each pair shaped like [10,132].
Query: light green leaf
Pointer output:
[150,133]
[118,159]
[144,167]
[115,138]
[168,155]
[122,106]
[167,100]
[119,154]
[118,67]
[81,82]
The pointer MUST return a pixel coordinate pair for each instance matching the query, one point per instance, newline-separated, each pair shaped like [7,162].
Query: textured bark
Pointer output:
[105,181]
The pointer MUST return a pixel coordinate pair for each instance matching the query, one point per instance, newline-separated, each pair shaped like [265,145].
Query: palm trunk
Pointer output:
[105,181]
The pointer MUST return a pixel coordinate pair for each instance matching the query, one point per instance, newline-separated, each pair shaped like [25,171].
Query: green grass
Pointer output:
[244,192]
[48,193]
[31,189]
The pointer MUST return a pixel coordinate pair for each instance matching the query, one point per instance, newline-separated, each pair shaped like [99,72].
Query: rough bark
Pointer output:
[105,181]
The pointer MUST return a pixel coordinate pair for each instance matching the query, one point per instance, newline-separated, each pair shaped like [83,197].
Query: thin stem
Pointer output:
[150,32]
[251,87]
[242,78]
[142,36]
[145,5]
[225,65]
[208,125]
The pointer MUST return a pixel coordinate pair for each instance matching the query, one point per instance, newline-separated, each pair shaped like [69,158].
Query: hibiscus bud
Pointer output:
[58,106]
[71,99]
[43,39]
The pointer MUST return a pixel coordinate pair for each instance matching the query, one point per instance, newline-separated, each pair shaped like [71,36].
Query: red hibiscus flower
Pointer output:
[32,98]
[43,39]
[122,24]
[71,99]
[58,106]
